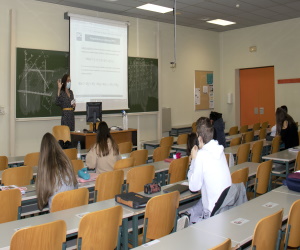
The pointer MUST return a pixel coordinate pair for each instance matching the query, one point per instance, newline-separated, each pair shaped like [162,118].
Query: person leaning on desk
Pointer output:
[65,100]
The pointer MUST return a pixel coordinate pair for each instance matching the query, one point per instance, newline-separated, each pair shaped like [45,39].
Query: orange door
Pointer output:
[257,95]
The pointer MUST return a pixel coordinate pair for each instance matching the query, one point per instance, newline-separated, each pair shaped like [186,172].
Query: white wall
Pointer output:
[277,44]
[42,26]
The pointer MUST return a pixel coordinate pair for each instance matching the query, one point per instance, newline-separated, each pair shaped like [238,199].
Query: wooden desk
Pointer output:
[285,157]
[221,225]
[87,140]
[180,129]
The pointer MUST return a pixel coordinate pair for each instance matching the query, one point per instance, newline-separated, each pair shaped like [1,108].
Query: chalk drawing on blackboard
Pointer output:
[143,83]
[36,89]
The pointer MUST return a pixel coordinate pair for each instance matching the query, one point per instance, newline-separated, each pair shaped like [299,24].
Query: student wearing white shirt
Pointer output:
[208,172]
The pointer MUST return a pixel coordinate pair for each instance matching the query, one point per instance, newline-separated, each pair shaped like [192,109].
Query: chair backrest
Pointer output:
[182,139]
[108,184]
[244,129]
[226,245]
[266,231]
[11,205]
[61,132]
[240,175]
[263,177]
[194,127]
[71,153]
[262,133]
[138,177]
[3,162]
[166,141]
[124,163]
[20,176]
[91,126]
[49,236]
[139,156]
[69,199]
[32,159]
[249,136]
[297,162]
[161,153]
[265,125]
[100,229]
[292,239]
[125,147]
[275,144]
[178,169]
[233,130]
[160,215]
[235,141]
[256,126]
[256,151]
[77,165]
[243,153]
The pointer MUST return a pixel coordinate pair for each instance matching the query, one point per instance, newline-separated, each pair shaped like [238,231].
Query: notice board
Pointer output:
[204,90]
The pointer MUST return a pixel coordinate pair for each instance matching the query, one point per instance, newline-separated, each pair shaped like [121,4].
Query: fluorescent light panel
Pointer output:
[155,8]
[221,22]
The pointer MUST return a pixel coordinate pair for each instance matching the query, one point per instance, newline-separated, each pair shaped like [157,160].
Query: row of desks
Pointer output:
[213,231]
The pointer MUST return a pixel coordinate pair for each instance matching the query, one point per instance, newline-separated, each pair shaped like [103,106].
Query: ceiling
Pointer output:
[194,13]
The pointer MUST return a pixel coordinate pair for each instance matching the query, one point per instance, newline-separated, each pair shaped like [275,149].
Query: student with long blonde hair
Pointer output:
[55,172]
[104,154]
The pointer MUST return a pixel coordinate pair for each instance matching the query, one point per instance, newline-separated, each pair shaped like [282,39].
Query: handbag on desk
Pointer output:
[131,199]
[293,181]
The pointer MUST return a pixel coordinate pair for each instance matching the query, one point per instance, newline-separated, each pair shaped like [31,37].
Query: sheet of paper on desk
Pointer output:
[239,221]
[270,205]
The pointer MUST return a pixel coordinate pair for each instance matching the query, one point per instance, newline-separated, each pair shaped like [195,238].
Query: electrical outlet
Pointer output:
[2,111]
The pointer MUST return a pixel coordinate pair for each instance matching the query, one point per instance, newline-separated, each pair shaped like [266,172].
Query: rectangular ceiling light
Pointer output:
[221,22]
[155,8]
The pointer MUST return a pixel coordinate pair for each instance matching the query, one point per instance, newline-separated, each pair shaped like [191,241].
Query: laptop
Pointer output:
[177,187]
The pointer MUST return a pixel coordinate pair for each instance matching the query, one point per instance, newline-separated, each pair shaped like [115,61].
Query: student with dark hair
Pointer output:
[55,172]
[65,100]
[208,172]
[286,128]
[219,127]
[104,154]
[273,129]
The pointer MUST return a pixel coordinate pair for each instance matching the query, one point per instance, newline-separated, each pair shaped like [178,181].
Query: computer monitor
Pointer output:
[94,113]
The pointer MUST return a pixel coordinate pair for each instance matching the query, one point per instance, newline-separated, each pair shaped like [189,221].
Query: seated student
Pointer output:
[104,154]
[273,129]
[192,140]
[219,127]
[55,172]
[208,172]
[286,128]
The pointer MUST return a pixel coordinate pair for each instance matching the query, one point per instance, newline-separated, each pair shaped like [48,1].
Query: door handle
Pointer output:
[261,110]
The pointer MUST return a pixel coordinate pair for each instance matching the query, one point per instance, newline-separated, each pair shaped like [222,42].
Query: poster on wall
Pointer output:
[204,90]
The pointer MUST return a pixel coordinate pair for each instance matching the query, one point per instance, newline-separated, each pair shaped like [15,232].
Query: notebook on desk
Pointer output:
[177,187]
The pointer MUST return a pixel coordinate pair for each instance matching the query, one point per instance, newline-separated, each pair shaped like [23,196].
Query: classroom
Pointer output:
[35,24]
[40,25]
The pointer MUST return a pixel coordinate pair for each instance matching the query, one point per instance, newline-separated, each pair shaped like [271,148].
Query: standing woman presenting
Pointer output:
[65,100]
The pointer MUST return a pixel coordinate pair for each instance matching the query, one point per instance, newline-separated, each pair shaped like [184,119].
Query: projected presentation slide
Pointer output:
[98,63]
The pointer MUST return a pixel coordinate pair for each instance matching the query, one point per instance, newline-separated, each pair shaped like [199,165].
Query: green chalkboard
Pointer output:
[38,70]
[37,73]
[142,84]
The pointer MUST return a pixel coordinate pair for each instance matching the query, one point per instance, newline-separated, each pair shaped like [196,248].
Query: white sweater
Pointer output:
[209,173]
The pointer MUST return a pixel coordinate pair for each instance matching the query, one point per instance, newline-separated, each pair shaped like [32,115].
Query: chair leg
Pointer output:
[287,237]
[145,230]
[279,235]
[119,238]
[175,222]
[79,243]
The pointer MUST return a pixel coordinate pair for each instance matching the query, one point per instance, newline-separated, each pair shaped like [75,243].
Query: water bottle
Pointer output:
[78,151]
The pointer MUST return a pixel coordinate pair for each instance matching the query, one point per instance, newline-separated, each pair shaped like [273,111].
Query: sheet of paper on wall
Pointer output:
[197,96]
[211,104]
[205,89]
